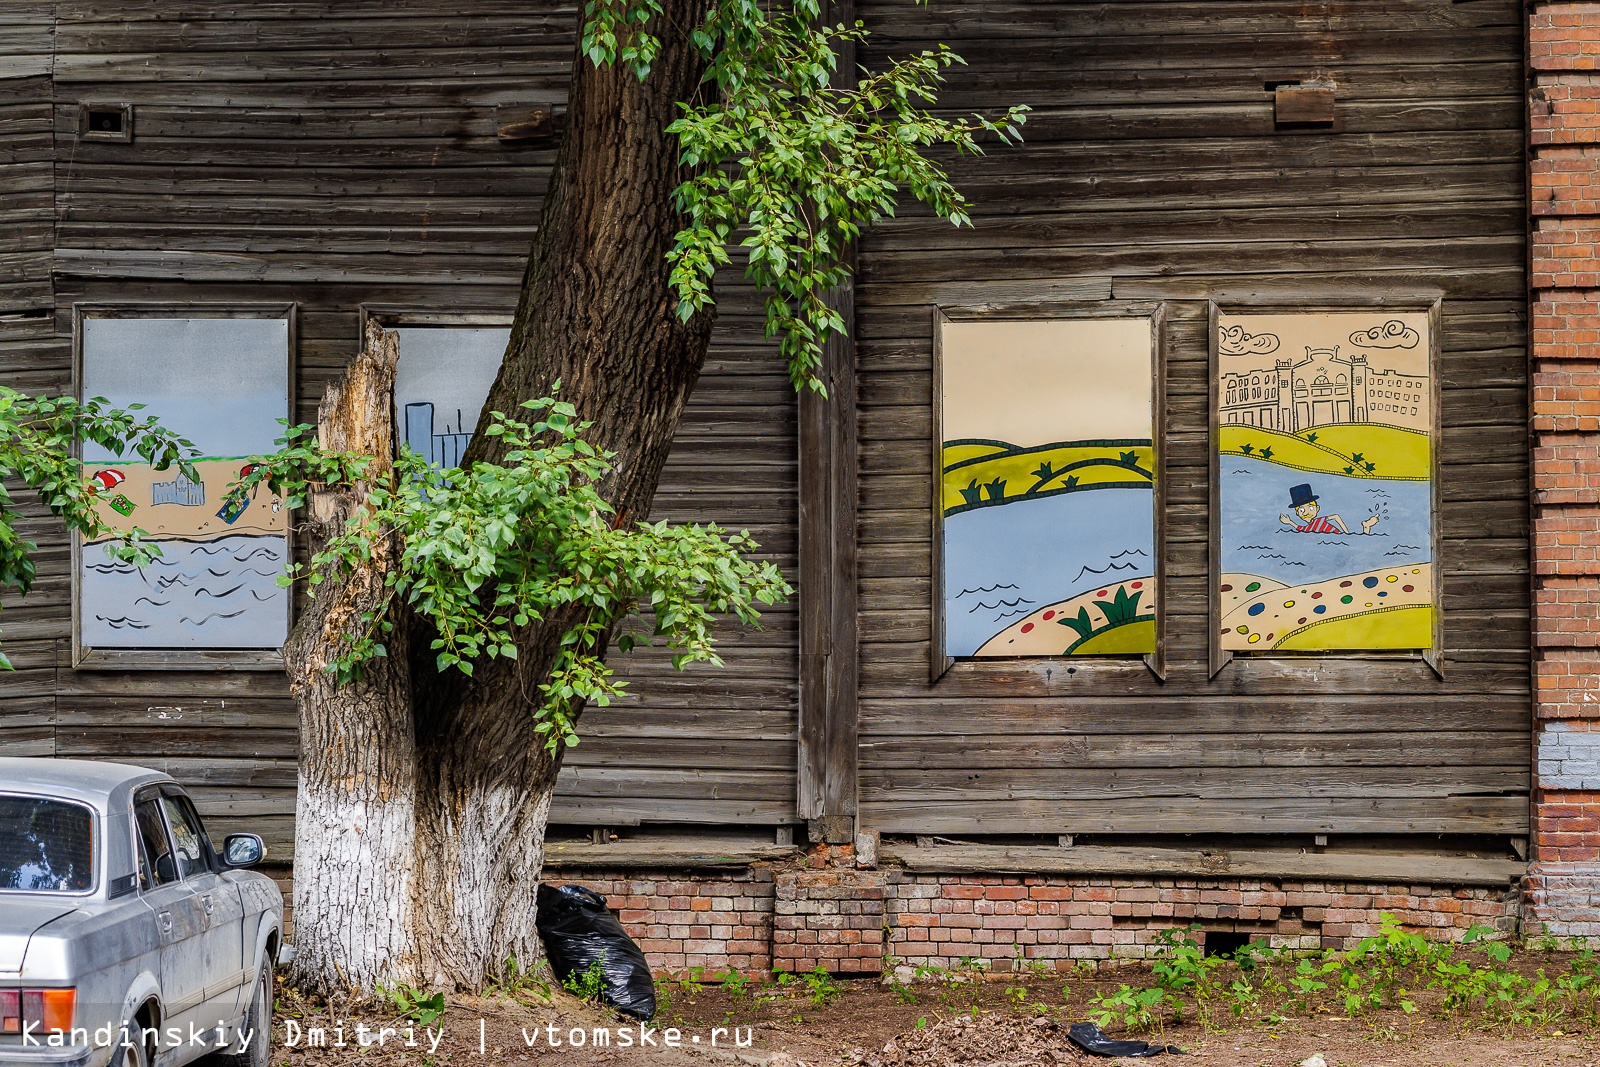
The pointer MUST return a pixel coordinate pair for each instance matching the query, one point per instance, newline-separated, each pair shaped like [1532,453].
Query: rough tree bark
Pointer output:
[355,817]
[424,797]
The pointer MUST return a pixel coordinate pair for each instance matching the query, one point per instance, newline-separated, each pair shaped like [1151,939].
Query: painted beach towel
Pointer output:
[1324,435]
[1047,488]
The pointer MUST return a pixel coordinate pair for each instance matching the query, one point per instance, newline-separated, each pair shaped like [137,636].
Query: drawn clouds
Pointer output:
[1392,334]
[1234,341]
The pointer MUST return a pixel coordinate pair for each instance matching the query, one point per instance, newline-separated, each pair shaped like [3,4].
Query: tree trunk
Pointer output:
[452,765]
[355,818]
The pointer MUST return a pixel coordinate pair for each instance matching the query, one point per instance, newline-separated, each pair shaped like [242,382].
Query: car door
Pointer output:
[221,905]
[180,918]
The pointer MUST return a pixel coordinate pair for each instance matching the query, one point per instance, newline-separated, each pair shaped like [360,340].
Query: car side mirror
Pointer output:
[243,850]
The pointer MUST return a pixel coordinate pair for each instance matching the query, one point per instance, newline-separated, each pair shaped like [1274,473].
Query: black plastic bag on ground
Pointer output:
[1093,1040]
[577,931]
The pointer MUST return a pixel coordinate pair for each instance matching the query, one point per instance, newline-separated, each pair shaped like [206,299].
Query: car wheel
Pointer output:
[258,1023]
[131,1050]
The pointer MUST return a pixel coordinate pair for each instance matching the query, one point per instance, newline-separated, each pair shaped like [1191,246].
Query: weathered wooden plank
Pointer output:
[936,716]
[435,29]
[1142,862]
[971,20]
[1080,228]
[672,851]
[119,740]
[1167,749]
[633,811]
[177,712]
[119,12]
[755,755]
[893,670]
[589,783]
[341,65]
[1135,815]
[245,267]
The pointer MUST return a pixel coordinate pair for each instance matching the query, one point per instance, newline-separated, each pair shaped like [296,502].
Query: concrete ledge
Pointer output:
[1145,862]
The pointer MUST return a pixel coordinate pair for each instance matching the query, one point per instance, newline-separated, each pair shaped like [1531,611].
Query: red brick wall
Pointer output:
[852,921]
[1563,886]
[939,920]
[683,920]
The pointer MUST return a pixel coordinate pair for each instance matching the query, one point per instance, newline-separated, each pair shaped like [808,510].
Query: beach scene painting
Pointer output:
[1325,481]
[222,383]
[1047,487]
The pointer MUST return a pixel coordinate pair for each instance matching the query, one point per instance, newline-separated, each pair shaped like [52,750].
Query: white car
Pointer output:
[125,937]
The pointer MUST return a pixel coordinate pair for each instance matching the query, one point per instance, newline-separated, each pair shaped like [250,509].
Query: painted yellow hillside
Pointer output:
[1400,448]
[1046,470]
[1364,450]
[962,451]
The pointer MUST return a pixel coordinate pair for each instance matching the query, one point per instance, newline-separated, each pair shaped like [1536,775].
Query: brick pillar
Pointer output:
[1563,883]
[833,919]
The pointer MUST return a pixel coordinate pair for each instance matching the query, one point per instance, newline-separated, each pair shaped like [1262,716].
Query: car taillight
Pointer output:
[40,1010]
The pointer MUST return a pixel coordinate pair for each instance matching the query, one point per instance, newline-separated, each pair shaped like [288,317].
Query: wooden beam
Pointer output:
[826,788]
[1134,861]
[673,851]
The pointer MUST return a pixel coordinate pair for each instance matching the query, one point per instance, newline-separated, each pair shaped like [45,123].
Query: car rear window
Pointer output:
[46,846]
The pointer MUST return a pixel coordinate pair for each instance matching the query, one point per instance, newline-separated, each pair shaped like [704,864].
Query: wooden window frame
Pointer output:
[393,316]
[1431,304]
[941,663]
[175,659]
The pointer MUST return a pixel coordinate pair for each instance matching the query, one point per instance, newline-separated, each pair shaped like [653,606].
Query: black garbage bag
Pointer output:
[1093,1040]
[577,930]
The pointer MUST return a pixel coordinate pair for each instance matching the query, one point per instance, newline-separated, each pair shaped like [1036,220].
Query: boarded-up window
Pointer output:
[440,384]
[1325,476]
[221,379]
[1045,491]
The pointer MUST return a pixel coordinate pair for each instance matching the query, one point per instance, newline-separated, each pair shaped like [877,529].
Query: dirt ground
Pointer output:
[868,1025]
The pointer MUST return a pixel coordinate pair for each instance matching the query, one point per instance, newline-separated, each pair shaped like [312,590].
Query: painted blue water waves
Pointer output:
[1005,562]
[207,594]
[1255,493]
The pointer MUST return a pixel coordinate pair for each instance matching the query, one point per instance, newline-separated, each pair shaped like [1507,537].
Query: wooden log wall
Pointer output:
[27,336]
[335,155]
[1154,170]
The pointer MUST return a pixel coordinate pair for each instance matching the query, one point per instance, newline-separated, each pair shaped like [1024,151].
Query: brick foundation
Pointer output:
[1563,882]
[680,920]
[850,922]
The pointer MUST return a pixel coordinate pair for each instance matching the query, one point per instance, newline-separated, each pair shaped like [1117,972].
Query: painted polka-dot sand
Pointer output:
[1257,613]
[1042,633]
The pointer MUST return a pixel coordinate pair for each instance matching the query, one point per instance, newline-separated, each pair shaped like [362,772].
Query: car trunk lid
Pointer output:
[20,919]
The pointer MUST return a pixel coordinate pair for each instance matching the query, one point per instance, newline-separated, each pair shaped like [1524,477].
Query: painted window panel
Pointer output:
[440,385]
[222,382]
[1047,486]
[1325,481]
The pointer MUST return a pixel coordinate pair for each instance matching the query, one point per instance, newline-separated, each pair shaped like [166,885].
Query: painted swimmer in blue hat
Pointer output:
[1305,505]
